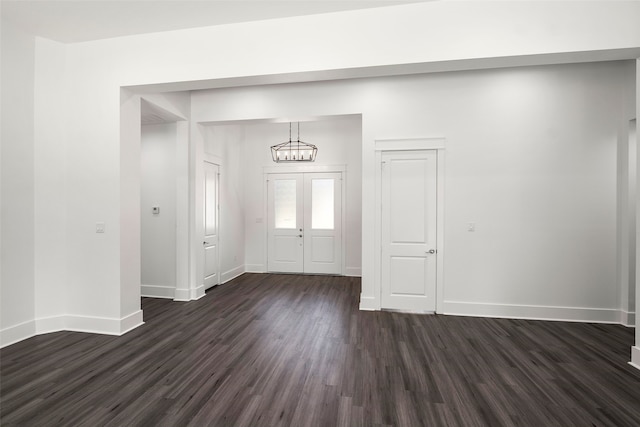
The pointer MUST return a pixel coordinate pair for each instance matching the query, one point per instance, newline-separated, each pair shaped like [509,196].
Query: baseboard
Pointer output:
[197,293]
[628,318]
[533,312]
[182,294]
[635,357]
[255,268]
[189,294]
[369,303]
[353,271]
[131,322]
[17,333]
[232,274]
[103,325]
[89,324]
[154,291]
[46,325]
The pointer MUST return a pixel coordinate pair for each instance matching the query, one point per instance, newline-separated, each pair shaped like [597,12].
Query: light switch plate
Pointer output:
[471,226]
[99,227]
[155,210]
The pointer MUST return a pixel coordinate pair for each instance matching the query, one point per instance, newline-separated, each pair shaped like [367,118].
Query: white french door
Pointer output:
[211,253]
[305,223]
[408,270]
[286,223]
[322,223]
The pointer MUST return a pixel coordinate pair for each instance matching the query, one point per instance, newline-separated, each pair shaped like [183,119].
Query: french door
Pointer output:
[305,223]
[408,270]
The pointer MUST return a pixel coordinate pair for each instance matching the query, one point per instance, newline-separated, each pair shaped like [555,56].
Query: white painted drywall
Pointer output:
[226,143]
[158,188]
[636,352]
[100,281]
[436,35]
[243,151]
[626,251]
[530,158]
[339,142]
[633,190]
[174,107]
[17,283]
[50,158]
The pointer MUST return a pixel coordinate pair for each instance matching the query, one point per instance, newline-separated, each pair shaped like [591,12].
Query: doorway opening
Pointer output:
[163,202]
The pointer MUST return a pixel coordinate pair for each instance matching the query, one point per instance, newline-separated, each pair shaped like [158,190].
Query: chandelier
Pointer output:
[294,151]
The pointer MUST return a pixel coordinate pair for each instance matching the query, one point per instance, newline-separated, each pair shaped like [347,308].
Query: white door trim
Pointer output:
[403,144]
[269,170]
[368,302]
[196,288]
[217,227]
[303,168]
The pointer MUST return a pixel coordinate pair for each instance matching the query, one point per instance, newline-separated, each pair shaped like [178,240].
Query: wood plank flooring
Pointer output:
[286,350]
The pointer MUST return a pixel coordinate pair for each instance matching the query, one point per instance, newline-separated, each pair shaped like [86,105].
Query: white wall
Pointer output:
[626,255]
[50,158]
[635,350]
[17,301]
[243,152]
[158,231]
[98,69]
[100,282]
[226,143]
[339,142]
[530,158]
[171,107]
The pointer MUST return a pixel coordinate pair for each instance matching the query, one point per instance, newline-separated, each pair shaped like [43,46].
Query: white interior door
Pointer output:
[408,276]
[211,252]
[285,245]
[305,223]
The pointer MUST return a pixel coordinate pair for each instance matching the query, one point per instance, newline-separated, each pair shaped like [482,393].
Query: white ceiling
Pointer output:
[83,20]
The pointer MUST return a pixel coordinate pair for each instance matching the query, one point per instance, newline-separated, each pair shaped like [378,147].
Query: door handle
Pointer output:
[430,251]
[205,243]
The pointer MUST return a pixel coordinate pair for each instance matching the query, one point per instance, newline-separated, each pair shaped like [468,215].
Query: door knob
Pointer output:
[430,251]
[205,243]
[299,235]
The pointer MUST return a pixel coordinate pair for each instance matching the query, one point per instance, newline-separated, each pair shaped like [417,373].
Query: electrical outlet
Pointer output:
[99,227]
[471,227]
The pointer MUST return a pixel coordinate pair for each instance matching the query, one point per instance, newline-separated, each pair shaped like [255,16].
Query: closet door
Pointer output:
[409,230]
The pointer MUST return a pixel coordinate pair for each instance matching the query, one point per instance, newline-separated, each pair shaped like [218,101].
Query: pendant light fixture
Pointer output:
[294,151]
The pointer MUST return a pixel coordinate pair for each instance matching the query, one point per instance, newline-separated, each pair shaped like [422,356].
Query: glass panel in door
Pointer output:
[322,204]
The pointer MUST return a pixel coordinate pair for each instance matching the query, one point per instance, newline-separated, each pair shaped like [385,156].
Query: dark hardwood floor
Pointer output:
[267,350]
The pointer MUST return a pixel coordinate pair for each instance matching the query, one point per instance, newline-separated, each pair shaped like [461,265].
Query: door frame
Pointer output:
[196,289]
[212,161]
[437,144]
[268,170]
